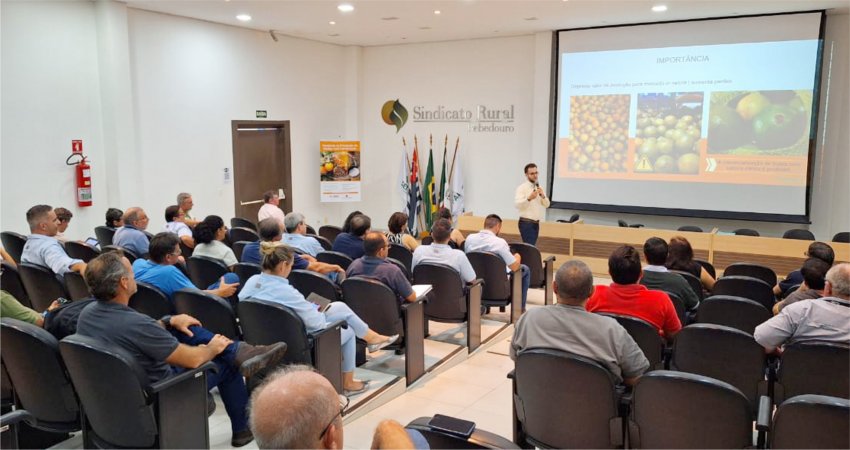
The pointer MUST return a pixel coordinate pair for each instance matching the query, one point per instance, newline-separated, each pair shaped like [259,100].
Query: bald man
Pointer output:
[131,236]
[298,408]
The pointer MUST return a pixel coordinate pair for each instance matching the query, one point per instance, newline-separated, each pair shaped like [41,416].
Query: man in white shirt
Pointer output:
[174,224]
[440,253]
[295,227]
[488,240]
[271,208]
[531,203]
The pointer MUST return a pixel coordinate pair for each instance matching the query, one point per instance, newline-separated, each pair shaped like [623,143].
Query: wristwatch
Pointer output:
[166,320]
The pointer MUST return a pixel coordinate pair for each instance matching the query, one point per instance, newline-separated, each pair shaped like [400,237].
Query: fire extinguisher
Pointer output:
[83,186]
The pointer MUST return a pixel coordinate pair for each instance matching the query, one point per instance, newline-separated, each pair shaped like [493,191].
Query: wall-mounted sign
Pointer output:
[339,171]
[480,118]
[262,114]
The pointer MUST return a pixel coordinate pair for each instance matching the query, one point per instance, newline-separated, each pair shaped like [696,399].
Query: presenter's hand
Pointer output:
[534,194]
[540,192]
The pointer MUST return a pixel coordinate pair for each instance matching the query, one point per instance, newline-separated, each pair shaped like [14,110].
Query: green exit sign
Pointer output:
[262,114]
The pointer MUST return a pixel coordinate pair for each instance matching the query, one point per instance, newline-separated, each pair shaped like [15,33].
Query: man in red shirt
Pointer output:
[626,297]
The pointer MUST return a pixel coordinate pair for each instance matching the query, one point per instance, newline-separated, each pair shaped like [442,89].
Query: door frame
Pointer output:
[286,203]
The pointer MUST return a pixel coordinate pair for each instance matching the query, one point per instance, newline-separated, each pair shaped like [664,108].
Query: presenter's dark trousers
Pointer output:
[529,230]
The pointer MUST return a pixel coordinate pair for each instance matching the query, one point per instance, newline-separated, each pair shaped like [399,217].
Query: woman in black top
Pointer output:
[680,256]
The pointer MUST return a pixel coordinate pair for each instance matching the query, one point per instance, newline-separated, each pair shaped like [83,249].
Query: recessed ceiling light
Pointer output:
[345,7]
[331,23]
[530,18]
[437,12]
[334,35]
[424,28]
[659,8]
[244,17]
[389,18]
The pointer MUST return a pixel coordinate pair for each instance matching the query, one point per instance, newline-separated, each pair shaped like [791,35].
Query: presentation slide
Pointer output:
[711,116]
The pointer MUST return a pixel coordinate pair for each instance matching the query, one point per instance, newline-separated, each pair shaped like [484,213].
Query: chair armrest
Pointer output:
[512,374]
[764,413]
[14,417]
[179,378]
[319,333]
[419,300]
[549,259]
[475,282]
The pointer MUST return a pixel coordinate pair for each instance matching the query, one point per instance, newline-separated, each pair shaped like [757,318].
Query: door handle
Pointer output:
[241,203]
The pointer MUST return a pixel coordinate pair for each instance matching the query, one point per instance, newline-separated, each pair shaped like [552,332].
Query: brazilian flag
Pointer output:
[430,200]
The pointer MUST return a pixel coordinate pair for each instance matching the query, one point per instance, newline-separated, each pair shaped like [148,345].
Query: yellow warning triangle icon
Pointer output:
[643,165]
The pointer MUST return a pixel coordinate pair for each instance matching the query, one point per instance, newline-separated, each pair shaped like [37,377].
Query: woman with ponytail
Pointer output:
[272,285]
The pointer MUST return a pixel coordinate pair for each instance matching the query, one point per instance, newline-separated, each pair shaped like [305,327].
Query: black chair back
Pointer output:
[42,285]
[329,232]
[799,234]
[310,230]
[758,271]
[307,282]
[243,234]
[679,306]
[323,241]
[693,282]
[531,257]
[11,282]
[76,286]
[735,312]
[239,222]
[709,267]
[214,312]
[149,300]
[402,254]
[746,232]
[491,269]
[820,368]
[266,323]
[14,244]
[245,271]
[723,353]
[81,250]
[580,414]
[448,299]
[691,228]
[204,271]
[428,240]
[747,287]
[104,235]
[31,357]
[185,250]
[843,236]
[811,421]
[131,255]
[375,303]
[645,336]
[684,410]
[337,258]
[622,223]
[238,247]
[402,268]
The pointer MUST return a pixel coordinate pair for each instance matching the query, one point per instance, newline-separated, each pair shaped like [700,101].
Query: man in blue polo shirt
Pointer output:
[131,236]
[374,265]
[351,244]
[488,240]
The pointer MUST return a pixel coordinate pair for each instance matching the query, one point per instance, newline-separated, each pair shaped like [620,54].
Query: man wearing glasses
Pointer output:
[531,203]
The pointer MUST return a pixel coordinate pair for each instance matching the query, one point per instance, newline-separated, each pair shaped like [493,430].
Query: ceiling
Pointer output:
[384,22]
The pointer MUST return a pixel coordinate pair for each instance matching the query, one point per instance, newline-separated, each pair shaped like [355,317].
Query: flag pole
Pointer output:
[418,177]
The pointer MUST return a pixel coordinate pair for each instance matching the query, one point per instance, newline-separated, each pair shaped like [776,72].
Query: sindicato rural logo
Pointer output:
[394,113]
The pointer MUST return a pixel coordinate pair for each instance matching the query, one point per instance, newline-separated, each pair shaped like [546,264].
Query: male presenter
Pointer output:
[531,203]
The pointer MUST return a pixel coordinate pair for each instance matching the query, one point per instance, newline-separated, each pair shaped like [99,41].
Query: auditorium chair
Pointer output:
[323,241]
[645,336]
[42,285]
[215,313]
[682,410]
[708,267]
[187,251]
[744,269]
[622,223]
[691,228]
[452,300]
[204,271]
[500,289]
[124,409]
[811,421]
[799,234]
[746,232]
[245,271]
[378,306]
[129,254]
[243,234]
[736,312]
[441,439]
[10,280]
[14,244]
[679,306]
[37,372]
[81,250]
[329,232]
[747,287]
[310,230]
[693,282]
[307,282]
[330,257]
[428,240]
[563,400]
[238,247]
[542,270]
[402,254]
[104,235]
[266,323]
[9,426]
[239,222]
[725,354]
[820,368]
[76,286]
[402,268]
[843,236]
[149,300]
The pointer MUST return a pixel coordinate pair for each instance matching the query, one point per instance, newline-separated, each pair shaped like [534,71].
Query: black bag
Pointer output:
[62,321]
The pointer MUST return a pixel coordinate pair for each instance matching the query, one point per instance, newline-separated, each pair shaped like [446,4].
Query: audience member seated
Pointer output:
[272,285]
[184,201]
[174,224]
[374,265]
[12,308]
[398,232]
[209,241]
[456,237]
[270,208]
[814,277]
[42,248]
[346,225]
[657,277]
[568,326]
[64,216]
[114,218]
[296,235]
[269,231]
[440,253]
[488,240]
[298,408]
[625,296]
[351,243]
[162,274]
[165,347]
[131,236]
[680,256]
[817,250]
[826,319]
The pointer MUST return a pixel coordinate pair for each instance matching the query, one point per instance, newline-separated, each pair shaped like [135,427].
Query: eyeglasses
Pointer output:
[343,403]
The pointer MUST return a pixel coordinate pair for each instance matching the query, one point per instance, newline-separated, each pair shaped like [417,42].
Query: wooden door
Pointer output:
[261,162]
